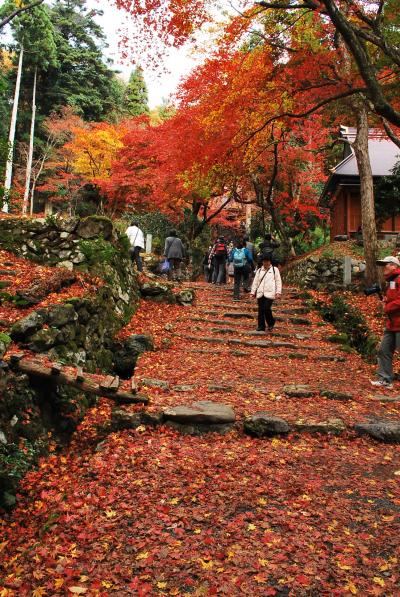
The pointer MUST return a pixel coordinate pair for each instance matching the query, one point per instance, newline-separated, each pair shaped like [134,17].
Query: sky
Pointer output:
[160,85]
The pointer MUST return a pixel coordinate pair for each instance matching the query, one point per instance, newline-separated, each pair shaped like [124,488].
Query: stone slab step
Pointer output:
[239,341]
[202,412]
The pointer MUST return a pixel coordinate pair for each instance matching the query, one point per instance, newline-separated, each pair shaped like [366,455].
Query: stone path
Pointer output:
[294,374]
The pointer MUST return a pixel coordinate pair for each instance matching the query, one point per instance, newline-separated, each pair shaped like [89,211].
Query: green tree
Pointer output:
[387,193]
[136,96]
[83,80]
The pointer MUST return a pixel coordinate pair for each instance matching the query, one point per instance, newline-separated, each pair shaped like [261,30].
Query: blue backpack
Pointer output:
[239,257]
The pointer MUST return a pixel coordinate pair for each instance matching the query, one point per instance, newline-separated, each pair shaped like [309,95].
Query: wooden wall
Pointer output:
[346,214]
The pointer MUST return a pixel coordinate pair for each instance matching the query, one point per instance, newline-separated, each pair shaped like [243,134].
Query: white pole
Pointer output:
[30,154]
[11,137]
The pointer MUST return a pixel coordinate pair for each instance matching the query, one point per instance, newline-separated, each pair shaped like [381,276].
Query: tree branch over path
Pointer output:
[311,110]
[17,12]
[355,38]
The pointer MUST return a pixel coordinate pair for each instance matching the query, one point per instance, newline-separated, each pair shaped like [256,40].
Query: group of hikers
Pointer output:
[257,273]
[254,271]
[174,250]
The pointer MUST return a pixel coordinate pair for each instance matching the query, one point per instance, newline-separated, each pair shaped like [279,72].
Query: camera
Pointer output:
[374,289]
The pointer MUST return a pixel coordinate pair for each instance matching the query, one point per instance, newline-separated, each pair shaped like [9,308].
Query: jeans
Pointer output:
[240,274]
[135,256]
[390,343]
[265,313]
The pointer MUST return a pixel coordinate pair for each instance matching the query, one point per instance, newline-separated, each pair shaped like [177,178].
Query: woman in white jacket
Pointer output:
[266,287]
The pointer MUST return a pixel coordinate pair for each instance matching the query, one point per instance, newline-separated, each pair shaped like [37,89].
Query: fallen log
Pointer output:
[42,287]
[82,381]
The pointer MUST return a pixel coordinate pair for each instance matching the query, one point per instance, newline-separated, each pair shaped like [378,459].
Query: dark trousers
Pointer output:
[240,274]
[219,274]
[265,313]
[135,256]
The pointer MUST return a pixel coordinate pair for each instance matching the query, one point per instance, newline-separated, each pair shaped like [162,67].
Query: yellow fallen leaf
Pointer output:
[263,562]
[197,531]
[352,588]
[142,555]
[107,584]
[343,566]
[111,513]
[58,583]
[206,565]
[379,581]
[77,590]
[174,501]
[251,527]
[3,545]
[397,473]
[39,592]
[262,501]
[162,585]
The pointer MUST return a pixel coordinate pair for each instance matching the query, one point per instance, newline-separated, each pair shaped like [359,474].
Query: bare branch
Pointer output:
[390,132]
[311,110]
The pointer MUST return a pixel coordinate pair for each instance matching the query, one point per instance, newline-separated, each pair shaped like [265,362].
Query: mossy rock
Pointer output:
[338,338]
[44,339]
[346,348]
[95,227]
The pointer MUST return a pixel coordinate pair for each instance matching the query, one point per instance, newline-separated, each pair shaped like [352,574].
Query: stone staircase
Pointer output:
[291,381]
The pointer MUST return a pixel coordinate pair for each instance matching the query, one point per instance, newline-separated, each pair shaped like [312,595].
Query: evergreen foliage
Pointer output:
[387,193]
[136,96]
[83,80]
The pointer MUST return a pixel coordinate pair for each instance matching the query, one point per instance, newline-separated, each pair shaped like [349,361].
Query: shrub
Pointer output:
[351,324]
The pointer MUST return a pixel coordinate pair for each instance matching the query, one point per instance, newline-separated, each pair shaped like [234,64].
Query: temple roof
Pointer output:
[383,156]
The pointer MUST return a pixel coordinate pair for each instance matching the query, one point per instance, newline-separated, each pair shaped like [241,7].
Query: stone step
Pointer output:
[253,332]
[232,323]
[239,341]
[207,416]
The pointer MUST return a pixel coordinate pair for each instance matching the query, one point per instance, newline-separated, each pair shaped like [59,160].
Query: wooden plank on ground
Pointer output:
[89,384]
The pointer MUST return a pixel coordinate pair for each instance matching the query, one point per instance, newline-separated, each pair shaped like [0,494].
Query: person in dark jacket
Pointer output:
[267,246]
[218,257]
[207,266]
[391,337]
[174,251]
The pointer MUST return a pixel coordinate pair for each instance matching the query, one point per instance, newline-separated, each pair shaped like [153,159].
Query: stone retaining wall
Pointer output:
[320,272]
[80,331]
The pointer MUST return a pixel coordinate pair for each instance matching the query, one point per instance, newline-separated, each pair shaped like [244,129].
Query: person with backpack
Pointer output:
[241,259]
[136,240]
[174,252]
[266,287]
[218,257]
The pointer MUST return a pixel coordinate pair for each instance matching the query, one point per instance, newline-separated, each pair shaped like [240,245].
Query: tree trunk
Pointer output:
[30,153]
[367,194]
[11,137]
[279,227]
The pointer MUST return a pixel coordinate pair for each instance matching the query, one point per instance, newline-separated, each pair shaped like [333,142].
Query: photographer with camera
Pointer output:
[391,337]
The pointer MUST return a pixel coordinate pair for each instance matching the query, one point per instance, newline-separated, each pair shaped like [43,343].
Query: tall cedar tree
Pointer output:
[136,96]
[83,80]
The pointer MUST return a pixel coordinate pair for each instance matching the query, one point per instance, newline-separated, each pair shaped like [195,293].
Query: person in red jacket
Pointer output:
[391,337]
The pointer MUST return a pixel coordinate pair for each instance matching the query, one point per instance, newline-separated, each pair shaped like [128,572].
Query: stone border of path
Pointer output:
[206,416]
